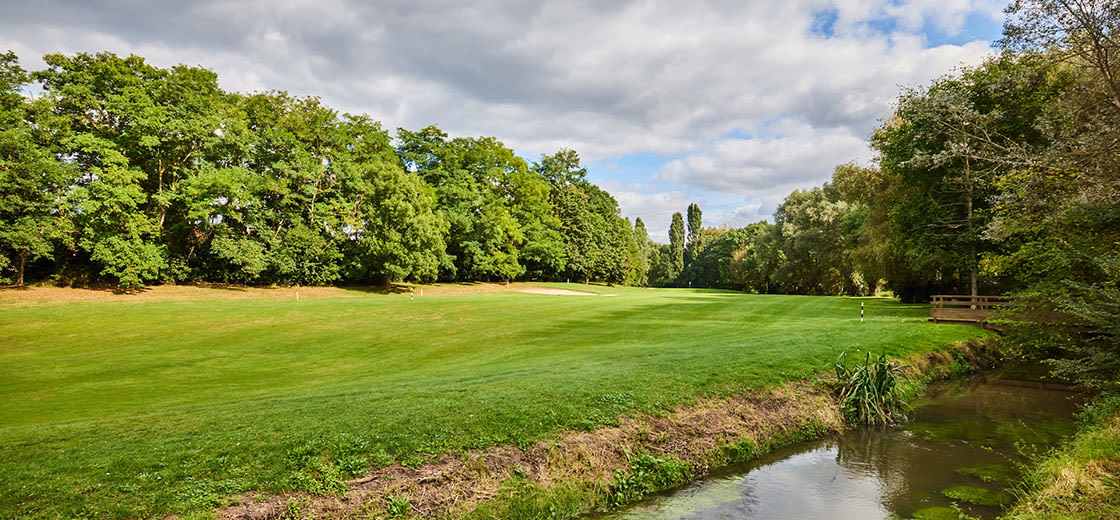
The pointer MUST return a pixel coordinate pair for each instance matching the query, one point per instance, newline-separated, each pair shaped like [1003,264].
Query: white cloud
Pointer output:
[606,79]
[756,167]
[742,215]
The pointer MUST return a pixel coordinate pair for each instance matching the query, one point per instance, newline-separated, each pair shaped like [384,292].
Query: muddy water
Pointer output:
[962,446]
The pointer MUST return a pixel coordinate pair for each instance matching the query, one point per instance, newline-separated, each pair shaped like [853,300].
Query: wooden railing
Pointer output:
[963,308]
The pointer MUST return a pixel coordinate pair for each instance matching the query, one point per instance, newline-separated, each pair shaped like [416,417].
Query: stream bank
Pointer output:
[1082,479]
[961,452]
[588,472]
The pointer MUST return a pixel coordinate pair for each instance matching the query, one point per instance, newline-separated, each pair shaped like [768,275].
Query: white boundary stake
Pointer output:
[297,295]
[861,312]
[411,294]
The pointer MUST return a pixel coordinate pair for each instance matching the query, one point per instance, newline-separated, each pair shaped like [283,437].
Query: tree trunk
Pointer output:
[971,233]
[22,264]
[972,274]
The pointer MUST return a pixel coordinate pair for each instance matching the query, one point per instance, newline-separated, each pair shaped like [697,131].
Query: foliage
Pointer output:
[870,391]
[694,240]
[648,474]
[676,247]
[809,233]
[34,220]
[134,174]
[598,242]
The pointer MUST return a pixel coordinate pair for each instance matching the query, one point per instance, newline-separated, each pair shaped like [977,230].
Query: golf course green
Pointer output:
[114,407]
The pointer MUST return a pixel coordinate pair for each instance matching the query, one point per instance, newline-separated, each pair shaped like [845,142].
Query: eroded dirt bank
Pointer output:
[707,433]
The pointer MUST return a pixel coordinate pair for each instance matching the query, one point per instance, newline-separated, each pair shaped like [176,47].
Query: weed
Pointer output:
[870,392]
[293,508]
[979,496]
[647,474]
[961,515]
[398,507]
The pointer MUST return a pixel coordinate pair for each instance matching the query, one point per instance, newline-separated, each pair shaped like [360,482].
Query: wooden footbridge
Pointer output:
[980,311]
[956,308]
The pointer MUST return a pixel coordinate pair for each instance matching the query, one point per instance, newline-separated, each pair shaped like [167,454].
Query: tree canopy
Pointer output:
[131,174]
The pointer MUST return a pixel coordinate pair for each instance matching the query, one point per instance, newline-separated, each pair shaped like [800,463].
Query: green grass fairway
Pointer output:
[141,408]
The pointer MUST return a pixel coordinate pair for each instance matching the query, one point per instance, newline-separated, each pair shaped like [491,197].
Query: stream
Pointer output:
[964,444]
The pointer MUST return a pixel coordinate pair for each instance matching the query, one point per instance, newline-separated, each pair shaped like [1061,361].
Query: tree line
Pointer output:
[127,173]
[1003,178]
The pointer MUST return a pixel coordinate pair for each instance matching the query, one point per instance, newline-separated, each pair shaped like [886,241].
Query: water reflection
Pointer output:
[964,442]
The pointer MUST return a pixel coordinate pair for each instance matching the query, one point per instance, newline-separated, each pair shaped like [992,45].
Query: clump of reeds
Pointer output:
[870,392]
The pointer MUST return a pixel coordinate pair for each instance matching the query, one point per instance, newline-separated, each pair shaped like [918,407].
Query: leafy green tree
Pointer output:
[100,96]
[752,265]
[1057,217]
[598,242]
[1081,33]
[33,217]
[659,262]
[137,132]
[305,165]
[579,231]
[713,265]
[398,235]
[613,255]
[562,168]
[542,253]
[947,144]
[810,234]
[870,238]
[641,255]
[495,206]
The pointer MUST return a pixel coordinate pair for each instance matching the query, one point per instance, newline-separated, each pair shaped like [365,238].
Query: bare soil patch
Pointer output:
[43,295]
[557,292]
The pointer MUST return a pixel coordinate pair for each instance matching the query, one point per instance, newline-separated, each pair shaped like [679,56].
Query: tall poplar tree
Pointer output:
[676,247]
[695,235]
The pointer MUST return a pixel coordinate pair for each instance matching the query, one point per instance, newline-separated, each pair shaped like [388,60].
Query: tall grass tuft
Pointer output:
[870,392]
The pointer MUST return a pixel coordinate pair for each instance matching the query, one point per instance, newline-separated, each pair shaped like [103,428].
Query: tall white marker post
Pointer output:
[412,294]
[861,312]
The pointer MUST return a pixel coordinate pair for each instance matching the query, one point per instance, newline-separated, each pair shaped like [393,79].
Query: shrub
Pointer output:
[870,393]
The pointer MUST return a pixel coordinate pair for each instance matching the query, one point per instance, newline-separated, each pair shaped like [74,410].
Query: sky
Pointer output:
[729,104]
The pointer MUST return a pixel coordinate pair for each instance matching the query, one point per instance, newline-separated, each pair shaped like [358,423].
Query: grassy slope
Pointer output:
[126,408]
[1082,480]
